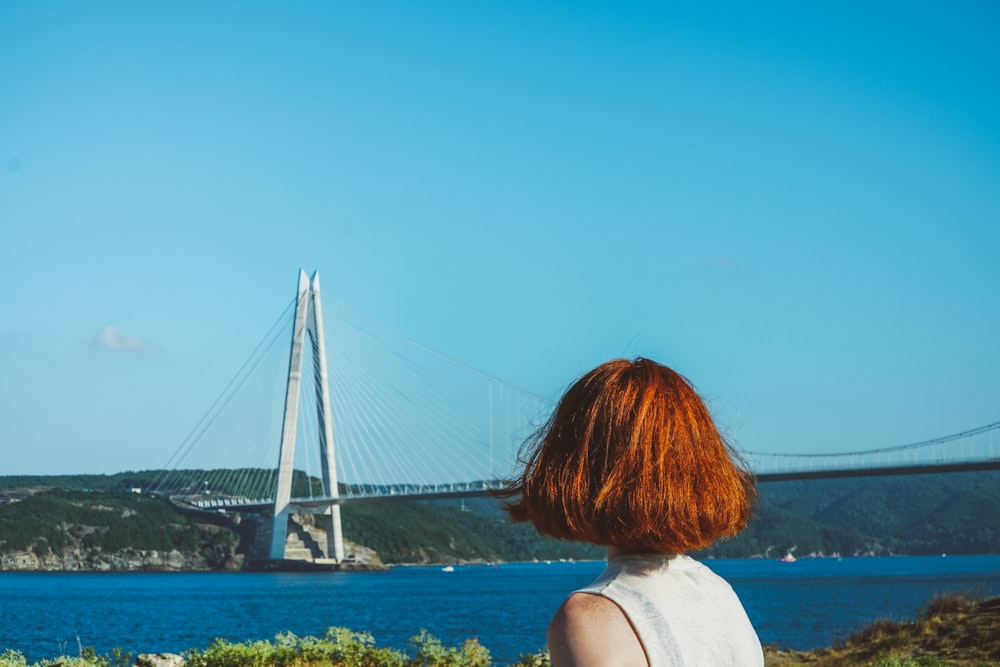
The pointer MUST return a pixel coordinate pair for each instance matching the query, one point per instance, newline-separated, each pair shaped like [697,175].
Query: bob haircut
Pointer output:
[631,458]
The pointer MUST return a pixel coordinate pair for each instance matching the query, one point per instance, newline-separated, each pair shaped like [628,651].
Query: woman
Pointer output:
[631,460]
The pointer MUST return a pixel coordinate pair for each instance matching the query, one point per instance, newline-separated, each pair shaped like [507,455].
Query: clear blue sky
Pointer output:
[796,205]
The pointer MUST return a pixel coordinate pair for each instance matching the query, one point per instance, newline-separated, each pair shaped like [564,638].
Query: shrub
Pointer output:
[12,658]
[339,647]
[431,653]
[87,658]
[540,659]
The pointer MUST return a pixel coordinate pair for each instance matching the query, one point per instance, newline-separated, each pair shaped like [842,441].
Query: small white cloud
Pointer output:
[113,338]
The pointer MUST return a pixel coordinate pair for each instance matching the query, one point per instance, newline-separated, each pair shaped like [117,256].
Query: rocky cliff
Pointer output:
[79,559]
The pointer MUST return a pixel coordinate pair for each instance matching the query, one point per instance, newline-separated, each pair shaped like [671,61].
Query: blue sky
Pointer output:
[796,205]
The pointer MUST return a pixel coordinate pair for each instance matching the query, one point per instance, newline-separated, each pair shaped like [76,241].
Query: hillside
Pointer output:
[423,532]
[93,522]
[952,631]
[100,530]
[878,516]
[57,529]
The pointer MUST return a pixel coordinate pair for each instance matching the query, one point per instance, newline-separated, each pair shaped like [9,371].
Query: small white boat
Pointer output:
[448,568]
[787,558]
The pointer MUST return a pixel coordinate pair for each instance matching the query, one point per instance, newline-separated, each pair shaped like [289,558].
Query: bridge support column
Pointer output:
[334,532]
[308,319]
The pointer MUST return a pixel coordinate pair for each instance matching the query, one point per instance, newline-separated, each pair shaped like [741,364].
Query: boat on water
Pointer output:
[448,568]
[787,558]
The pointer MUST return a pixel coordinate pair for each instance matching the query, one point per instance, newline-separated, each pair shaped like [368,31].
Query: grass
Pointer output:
[952,631]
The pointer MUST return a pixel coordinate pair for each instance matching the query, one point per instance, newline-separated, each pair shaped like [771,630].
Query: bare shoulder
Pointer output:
[592,631]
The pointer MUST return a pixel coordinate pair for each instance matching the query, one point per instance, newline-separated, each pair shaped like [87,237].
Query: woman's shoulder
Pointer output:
[590,629]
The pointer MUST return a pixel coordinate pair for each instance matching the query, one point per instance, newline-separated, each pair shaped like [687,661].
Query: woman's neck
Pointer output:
[615,552]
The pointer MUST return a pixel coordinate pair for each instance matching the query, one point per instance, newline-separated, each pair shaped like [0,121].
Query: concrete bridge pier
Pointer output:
[308,321]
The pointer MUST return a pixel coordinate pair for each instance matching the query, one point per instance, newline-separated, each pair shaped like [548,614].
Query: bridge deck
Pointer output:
[993,464]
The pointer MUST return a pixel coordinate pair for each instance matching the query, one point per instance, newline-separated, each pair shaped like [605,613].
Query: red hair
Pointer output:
[631,458]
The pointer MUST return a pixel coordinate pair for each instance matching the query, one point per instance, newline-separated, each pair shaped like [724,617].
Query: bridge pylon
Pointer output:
[308,322]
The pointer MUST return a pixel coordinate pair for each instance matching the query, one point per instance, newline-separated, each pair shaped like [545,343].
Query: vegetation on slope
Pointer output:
[917,514]
[953,631]
[913,514]
[414,532]
[53,522]
[339,647]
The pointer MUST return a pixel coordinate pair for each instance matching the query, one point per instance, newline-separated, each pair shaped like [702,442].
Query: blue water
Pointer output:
[806,604]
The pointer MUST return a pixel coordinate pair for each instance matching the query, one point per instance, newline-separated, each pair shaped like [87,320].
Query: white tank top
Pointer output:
[684,614]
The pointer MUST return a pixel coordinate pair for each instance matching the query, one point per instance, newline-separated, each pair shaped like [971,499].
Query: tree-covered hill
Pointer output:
[93,516]
[914,514]
[88,530]
[97,530]
[414,532]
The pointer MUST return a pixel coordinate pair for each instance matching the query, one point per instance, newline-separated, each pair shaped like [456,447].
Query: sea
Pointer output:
[807,604]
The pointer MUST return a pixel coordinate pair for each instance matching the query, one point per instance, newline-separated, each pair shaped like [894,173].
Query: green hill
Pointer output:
[59,529]
[912,514]
[415,532]
[51,528]
[96,520]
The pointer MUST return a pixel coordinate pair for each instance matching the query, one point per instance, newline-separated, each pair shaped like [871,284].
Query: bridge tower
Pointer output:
[308,321]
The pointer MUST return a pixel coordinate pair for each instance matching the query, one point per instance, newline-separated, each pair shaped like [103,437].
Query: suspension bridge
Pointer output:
[388,418]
